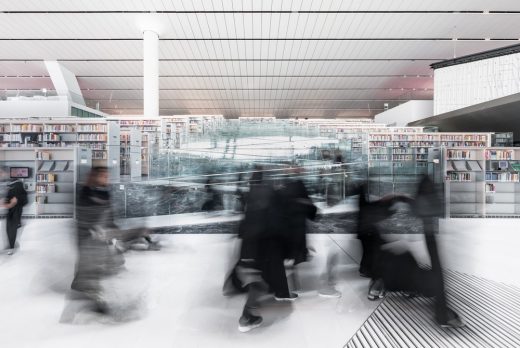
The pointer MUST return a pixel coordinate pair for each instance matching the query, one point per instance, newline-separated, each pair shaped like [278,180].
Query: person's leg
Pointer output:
[255,288]
[365,266]
[275,271]
[430,229]
[444,315]
[12,229]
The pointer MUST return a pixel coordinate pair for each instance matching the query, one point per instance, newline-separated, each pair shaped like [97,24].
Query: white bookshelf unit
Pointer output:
[502,181]
[150,130]
[99,135]
[53,175]
[464,175]
[55,181]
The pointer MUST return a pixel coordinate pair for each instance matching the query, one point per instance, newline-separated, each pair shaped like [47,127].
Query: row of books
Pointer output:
[502,177]
[92,128]
[47,188]
[402,157]
[59,128]
[461,177]
[99,155]
[47,177]
[92,137]
[464,154]
[499,155]
[402,151]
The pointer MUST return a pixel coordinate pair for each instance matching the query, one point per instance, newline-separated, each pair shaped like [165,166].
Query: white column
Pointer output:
[151,73]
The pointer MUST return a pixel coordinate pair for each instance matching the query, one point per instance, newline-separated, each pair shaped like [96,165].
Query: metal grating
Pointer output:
[491,311]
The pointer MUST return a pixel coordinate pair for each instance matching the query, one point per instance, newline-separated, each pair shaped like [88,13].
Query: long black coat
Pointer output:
[294,208]
[257,225]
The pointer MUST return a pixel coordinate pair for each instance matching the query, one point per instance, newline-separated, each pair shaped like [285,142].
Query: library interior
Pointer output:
[304,173]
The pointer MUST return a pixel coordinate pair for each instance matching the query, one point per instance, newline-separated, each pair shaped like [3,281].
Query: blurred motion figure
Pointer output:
[97,236]
[15,200]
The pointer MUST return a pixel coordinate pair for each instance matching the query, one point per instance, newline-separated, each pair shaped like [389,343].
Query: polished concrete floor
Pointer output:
[173,298]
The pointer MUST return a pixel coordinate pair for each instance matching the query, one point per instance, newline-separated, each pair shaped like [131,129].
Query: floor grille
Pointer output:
[491,311]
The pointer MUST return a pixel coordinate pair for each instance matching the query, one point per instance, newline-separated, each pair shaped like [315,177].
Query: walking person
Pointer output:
[429,207]
[15,200]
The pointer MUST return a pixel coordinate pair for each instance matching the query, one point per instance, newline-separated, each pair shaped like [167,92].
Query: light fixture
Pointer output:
[485,12]
[454,39]
[487,39]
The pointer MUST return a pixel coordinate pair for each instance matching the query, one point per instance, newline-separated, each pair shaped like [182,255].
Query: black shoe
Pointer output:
[453,320]
[363,272]
[376,290]
[410,294]
[249,322]
[292,296]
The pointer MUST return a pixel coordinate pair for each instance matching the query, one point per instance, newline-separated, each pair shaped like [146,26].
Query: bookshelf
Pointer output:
[502,181]
[94,134]
[55,181]
[150,130]
[464,177]
[174,132]
[53,175]
[23,157]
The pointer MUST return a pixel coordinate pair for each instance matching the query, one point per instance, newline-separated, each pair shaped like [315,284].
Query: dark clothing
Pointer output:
[430,207]
[214,202]
[14,215]
[257,224]
[294,208]
[95,257]
[262,244]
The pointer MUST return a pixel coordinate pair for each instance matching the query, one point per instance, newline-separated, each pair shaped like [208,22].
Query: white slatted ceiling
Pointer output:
[248,76]
[286,5]
[306,25]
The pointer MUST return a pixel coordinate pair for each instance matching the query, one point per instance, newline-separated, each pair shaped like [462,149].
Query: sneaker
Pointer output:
[248,323]
[376,290]
[453,320]
[292,297]
[329,292]
[10,252]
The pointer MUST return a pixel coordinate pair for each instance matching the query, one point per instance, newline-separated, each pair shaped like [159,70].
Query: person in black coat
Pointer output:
[263,250]
[295,207]
[369,215]
[15,200]
[429,207]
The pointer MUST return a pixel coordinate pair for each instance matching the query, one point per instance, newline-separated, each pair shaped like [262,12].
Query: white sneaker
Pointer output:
[292,297]
[329,292]
[10,252]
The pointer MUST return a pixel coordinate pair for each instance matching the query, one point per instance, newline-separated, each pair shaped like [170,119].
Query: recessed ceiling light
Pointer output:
[454,39]
[485,12]
[487,39]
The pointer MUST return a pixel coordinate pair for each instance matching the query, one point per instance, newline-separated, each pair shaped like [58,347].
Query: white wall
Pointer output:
[463,85]
[35,107]
[410,111]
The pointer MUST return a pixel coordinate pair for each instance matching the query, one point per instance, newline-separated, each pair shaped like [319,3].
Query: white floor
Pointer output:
[179,290]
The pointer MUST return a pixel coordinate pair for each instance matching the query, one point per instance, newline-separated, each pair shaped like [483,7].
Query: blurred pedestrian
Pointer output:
[97,235]
[14,202]
[429,207]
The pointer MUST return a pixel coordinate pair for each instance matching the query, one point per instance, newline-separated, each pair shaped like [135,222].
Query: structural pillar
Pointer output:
[151,74]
